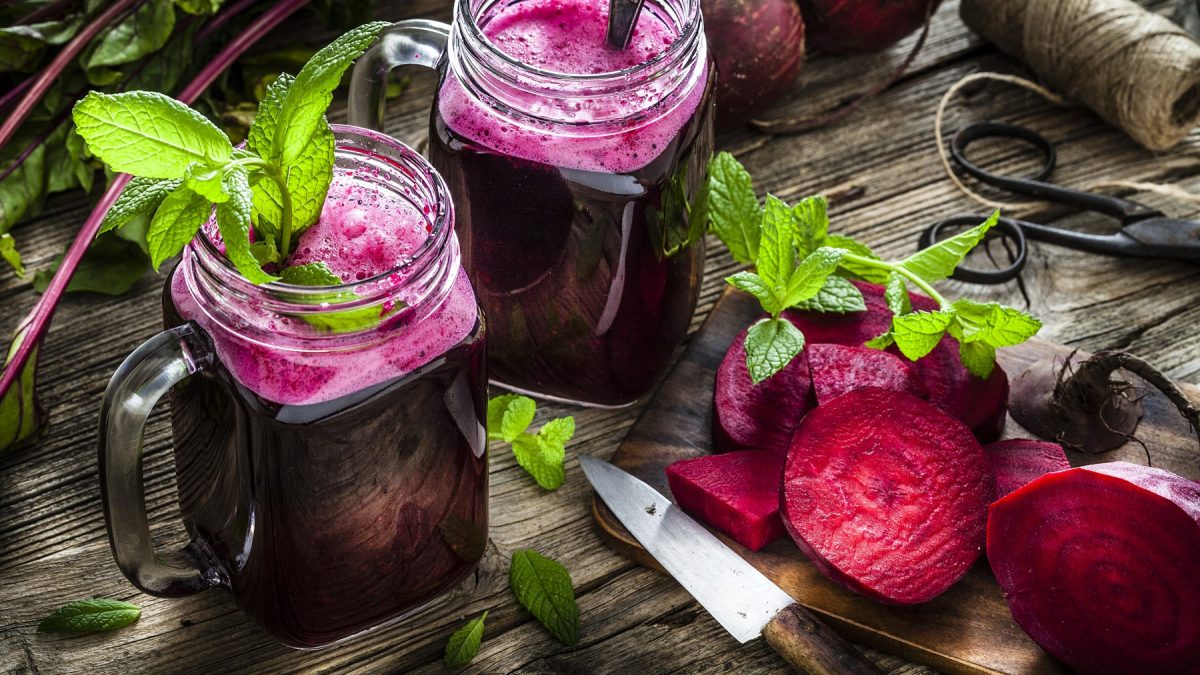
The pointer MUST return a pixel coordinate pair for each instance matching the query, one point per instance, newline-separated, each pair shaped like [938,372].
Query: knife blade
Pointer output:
[744,601]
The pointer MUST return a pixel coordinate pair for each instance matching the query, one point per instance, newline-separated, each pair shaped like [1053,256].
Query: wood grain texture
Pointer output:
[966,630]
[879,166]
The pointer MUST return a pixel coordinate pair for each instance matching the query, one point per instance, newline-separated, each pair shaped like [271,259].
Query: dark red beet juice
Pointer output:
[334,471]
[571,165]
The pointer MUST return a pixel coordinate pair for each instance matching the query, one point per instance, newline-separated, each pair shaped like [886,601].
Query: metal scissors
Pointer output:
[1144,233]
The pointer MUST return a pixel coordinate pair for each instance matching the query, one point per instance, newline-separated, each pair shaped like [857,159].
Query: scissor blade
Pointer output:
[737,595]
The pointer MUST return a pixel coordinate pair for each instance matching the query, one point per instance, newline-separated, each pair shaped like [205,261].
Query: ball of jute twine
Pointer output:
[1133,68]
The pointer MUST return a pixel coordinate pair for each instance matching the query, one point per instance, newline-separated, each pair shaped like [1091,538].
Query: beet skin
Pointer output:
[759,48]
[1100,566]
[862,26]
[737,493]
[887,495]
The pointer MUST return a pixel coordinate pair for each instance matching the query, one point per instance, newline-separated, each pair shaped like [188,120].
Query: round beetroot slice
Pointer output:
[886,494]
[761,416]
[1100,565]
[837,369]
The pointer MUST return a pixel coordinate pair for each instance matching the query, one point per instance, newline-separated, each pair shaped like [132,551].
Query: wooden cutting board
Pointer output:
[968,629]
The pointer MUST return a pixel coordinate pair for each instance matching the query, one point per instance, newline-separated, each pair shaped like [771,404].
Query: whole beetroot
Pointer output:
[759,48]
[862,26]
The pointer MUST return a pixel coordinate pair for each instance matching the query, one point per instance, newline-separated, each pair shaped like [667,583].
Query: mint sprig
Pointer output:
[541,454]
[95,615]
[543,586]
[463,645]
[799,264]
[184,165]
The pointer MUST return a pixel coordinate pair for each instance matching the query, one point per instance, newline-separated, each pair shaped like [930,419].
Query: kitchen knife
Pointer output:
[739,597]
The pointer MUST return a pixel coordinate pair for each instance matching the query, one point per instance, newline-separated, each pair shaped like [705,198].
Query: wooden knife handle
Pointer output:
[811,647]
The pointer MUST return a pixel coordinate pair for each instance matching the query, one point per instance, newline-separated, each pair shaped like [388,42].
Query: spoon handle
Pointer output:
[622,17]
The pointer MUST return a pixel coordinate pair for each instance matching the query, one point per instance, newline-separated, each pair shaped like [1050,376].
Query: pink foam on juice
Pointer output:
[567,36]
[362,232]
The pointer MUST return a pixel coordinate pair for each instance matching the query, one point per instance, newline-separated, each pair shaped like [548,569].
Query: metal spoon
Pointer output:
[622,17]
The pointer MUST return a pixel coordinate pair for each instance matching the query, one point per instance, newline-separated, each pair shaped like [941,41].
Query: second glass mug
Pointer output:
[573,195]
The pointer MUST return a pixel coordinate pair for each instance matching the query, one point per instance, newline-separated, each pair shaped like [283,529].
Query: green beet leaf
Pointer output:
[21,191]
[111,266]
[464,643]
[770,345]
[148,134]
[10,254]
[142,32]
[20,416]
[543,587]
[96,615]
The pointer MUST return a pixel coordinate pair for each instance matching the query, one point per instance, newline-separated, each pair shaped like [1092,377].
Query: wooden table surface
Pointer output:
[880,169]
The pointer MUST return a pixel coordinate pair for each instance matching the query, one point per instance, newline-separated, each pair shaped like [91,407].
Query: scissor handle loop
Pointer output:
[979,130]
[1005,227]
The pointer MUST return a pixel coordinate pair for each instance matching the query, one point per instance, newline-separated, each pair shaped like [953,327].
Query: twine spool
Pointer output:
[1133,68]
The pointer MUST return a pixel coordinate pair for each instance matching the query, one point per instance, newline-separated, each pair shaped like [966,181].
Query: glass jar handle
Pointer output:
[145,375]
[416,42]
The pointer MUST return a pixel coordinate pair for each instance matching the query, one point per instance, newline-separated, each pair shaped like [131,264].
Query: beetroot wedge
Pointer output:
[887,495]
[981,404]
[1019,461]
[736,492]
[837,369]
[763,415]
[1100,566]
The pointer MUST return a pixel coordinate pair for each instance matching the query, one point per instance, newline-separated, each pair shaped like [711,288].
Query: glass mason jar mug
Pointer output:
[573,168]
[330,449]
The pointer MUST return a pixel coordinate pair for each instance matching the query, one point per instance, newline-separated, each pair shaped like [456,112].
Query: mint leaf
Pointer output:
[497,406]
[812,223]
[311,274]
[10,254]
[307,178]
[979,358]
[265,252]
[881,341]
[517,417]
[90,616]
[233,221]
[349,320]
[938,261]
[754,285]
[896,295]
[855,269]
[141,197]
[837,296]
[310,95]
[543,587]
[206,180]
[542,455]
[770,345]
[464,643]
[916,334]
[733,209]
[776,253]
[175,222]
[809,276]
[148,134]
[993,324]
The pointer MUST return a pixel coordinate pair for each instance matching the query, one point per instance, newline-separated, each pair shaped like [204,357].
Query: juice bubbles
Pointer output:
[572,167]
[332,462]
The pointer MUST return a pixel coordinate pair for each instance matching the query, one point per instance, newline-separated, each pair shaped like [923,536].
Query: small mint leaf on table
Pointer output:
[896,295]
[309,96]
[837,296]
[516,418]
[770,345]
[733,210]
[543,587]
[90,616]
[310,274]
[978,357]
[464,643]
[497,407]
[812,223]
[939,260]
[233,221]
[148,134]
[776,252]
[540,455]
[178,218]
[141,197]
[917,333]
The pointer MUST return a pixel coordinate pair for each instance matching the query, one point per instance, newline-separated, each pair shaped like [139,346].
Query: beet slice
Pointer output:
[1100,565]
[887,495]
[837,369]
[736,492]
[763,415]
[981,404]
[1019,461]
